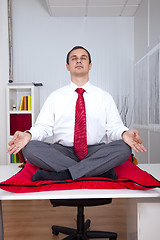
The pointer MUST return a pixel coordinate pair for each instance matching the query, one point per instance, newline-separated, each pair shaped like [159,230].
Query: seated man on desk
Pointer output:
[89,136]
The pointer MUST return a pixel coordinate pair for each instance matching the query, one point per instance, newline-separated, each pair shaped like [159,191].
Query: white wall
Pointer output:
[146,27]
[141,30]
[147,75]
[41,43]
[4,71]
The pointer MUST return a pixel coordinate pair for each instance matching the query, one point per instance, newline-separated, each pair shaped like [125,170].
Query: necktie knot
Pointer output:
[80,91]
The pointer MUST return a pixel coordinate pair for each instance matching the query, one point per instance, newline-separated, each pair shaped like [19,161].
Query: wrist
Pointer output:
[29,134]
[122,135]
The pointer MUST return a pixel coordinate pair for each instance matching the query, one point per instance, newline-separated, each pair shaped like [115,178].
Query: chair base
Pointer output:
[81,231]
[74,235]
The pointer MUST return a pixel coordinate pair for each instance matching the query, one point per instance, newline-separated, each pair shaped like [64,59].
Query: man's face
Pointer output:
[79,62]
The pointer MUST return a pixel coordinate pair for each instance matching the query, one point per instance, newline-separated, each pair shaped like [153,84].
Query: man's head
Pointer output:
[75,48]
[79,64]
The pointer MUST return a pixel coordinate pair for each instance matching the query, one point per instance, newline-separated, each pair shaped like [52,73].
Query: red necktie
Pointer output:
[80,133]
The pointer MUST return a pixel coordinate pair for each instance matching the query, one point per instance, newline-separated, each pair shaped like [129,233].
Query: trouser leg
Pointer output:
[101,159]
[52,157]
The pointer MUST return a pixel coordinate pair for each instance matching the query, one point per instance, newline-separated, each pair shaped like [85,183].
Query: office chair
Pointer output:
[81,232]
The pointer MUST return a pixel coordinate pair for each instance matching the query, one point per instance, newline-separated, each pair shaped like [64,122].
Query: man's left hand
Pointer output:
[132,138]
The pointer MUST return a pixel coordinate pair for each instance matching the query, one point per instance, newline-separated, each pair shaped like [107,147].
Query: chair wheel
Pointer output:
[55,232]
[113,238]
[87,224]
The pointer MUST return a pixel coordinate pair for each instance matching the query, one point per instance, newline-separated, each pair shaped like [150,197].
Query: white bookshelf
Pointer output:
[18,119]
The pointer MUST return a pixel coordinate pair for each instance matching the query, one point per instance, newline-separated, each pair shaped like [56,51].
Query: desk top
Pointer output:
[7,171]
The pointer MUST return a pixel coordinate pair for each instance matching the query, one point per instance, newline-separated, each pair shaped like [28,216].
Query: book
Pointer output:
[22,104]
[15,158]
[25,104]
[21,157]
[29,103]
[12,158]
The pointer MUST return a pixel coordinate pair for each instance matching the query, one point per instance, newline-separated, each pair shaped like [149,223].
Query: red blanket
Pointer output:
[128,176]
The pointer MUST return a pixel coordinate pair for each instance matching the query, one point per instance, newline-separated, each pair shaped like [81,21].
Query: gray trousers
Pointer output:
[56,157]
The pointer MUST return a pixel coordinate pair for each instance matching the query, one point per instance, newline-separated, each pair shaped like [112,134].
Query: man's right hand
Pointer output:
[19,141]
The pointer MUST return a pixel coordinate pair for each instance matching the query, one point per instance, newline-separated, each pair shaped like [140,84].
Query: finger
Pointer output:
[139,139]
[17,150]
[15,136]
[135,149]
[139,148]
[137,136]
[13,139]
[143,148]
[136,131]
[11,142]
[12,149]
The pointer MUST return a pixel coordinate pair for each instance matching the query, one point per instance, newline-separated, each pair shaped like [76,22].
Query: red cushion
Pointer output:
[128,176]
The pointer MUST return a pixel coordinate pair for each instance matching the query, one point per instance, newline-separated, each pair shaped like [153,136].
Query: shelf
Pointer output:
[21,120]
[20,85]
[20,112]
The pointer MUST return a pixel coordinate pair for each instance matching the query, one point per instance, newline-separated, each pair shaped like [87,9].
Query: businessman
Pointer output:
[89,138]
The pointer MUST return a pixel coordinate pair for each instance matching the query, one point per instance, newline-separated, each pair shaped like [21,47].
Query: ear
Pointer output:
[90,66]
[67,66]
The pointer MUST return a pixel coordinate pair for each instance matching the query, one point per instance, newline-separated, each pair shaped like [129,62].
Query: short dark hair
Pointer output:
[77,47]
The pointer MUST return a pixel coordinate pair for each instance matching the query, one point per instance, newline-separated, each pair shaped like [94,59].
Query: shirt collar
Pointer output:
[86,86]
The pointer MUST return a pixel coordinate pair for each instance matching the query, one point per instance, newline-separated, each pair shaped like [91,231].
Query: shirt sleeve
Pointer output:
[114,124]
[44,125]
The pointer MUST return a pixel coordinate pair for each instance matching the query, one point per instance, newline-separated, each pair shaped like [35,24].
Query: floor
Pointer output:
[32,220]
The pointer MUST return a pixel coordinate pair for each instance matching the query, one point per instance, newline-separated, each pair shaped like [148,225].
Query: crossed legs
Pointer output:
[63,163]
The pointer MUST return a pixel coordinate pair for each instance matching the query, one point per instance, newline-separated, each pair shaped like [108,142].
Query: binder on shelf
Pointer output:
[20,122]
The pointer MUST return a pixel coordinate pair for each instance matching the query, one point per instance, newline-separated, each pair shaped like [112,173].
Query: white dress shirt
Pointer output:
[57,116]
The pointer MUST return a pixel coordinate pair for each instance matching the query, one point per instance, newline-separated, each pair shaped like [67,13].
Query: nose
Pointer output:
[78,60]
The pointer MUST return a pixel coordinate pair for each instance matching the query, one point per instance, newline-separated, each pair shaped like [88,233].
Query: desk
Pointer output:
[137,200]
